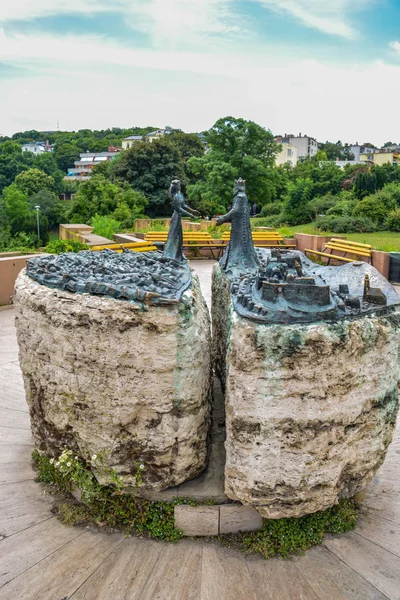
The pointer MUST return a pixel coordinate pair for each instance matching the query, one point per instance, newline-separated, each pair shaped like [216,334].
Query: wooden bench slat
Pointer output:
[329,255]
[348,250]
[349,243]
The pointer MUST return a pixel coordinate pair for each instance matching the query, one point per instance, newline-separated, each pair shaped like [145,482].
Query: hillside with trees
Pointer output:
[360,198]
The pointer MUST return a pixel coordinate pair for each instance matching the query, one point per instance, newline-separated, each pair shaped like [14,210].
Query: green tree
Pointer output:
[19,218]
[188,144]
[295,206]
[239,148]
[149,169]
[50,207]
[326,178]
[34,180]
[337,151]
[365,184]
[100,196]
[12,162]
[16,207]
[66,154]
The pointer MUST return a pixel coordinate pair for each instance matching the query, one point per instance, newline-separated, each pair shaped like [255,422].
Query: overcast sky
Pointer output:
[328,68]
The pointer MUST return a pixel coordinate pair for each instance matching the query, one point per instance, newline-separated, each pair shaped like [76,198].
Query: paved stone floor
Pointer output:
[42,559]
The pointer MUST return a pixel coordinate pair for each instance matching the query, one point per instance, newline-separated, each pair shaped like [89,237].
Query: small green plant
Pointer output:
[106,505]
[60,246]
[115,507]
[285,537]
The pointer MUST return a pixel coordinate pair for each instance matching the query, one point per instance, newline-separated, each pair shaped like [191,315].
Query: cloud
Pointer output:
[93,82]
[395,46]
[171,23]
[329,16]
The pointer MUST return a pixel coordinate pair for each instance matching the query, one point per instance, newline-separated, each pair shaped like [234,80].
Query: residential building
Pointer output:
[86,163]
[382,158]
[37,147]
[149,137]
[130,140]
[288,154]
[306,146]
[358,150]
[367,157]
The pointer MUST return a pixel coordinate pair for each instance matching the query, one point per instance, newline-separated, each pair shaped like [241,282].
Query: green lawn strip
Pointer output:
[386,241]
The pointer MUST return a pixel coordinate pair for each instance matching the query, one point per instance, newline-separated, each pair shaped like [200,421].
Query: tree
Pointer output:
[365,184]
[149,169]
[100,196]
[12,162]
[18,216]
[337,151]
[33,181]
[188,144]
[66,154]
[50,207]
[295,207]
[326,177]
[16,207]
[239,148]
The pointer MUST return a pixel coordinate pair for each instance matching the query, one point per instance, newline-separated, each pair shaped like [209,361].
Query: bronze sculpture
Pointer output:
[174,246]
[240,255]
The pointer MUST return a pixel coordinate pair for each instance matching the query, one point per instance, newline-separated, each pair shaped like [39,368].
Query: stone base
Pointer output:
[127,383]
[310,408]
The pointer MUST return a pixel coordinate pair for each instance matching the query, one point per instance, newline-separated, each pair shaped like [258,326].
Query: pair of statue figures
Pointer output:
[240,256]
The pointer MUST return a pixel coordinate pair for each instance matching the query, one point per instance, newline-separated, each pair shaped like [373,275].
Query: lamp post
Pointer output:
[37,221]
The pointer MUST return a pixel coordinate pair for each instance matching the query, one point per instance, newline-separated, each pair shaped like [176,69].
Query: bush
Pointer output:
[274,208]
[393,220]
[105,226]
[321,204]
[20,242]
[371,207]
[60,246]
[337,224]
[392,190]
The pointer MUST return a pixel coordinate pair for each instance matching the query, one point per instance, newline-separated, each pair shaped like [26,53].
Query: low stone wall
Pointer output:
[310,408]
[118,380]
[10,267]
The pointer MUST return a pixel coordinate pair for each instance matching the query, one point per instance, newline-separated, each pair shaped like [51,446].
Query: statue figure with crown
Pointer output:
[240,255]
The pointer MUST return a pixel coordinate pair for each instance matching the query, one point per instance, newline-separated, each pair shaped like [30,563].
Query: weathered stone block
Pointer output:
[197,520]
[234,518]
[119,380]
[310,408]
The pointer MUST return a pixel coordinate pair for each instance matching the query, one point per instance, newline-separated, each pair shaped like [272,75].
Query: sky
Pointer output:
[326,68]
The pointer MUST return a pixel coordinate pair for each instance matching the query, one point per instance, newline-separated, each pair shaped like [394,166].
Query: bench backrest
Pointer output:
[258,236]
[349,247]
[188,236]
[135,247]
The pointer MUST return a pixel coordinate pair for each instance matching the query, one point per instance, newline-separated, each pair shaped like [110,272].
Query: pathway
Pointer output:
[41,559]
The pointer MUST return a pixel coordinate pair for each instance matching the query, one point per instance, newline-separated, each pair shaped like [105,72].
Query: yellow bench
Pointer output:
[345,247]
[135,247]
[263,239]
[192,240]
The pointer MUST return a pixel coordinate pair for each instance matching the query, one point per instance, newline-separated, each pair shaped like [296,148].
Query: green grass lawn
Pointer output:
[53,235]
[387,241]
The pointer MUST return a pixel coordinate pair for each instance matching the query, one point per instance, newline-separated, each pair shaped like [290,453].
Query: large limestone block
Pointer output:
[114,378]
[310,408]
